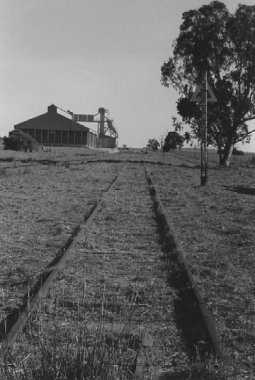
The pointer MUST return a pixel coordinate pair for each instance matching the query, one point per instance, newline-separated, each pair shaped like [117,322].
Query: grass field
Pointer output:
[215,227]
[41,205]
[44,197]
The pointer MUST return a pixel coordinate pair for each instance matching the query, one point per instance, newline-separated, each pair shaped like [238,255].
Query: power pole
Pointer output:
[203,137]
[202,96]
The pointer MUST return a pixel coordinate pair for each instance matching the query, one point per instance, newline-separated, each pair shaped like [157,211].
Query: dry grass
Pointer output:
[50,349]
[40,208]
[42,205]
[215,228]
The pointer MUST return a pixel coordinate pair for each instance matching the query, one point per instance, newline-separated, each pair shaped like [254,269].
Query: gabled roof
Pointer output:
[51,120]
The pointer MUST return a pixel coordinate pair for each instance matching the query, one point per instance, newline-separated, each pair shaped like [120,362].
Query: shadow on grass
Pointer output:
[183,375]
[240,190]
[192,374]
[175,376]
[188,316]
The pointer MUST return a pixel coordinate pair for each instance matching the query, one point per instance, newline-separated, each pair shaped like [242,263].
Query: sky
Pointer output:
[85,54]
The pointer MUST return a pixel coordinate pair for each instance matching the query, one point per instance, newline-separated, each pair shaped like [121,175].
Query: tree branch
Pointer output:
[243,137]
[248,119]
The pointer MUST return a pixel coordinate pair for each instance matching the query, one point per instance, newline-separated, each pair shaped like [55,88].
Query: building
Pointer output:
[52,128]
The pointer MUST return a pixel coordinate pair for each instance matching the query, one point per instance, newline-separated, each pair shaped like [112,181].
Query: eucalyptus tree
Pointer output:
[213,39]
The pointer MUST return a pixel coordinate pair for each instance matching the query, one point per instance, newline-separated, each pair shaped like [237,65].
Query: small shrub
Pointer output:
[19,141]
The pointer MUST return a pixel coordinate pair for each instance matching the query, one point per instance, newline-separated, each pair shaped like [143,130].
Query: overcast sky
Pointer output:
[85,54]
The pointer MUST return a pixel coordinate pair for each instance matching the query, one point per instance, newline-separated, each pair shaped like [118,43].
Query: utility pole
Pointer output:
[201,97]
[203,137]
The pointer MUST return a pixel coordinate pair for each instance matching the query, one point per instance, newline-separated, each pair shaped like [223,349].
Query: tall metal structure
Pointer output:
[203,95]
[203,137]
[101,112]
[105,125]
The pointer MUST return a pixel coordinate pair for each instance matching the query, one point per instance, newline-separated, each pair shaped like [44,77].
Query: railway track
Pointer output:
[118,274]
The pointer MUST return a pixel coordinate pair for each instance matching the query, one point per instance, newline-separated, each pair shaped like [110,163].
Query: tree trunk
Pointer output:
[220,157]
[226,158]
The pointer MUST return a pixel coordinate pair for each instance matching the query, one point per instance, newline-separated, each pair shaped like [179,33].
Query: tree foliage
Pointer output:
[173,141]
[18,140]
[213,39]
[153,144]
[237,152]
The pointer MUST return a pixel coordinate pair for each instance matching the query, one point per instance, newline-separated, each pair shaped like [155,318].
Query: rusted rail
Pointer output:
[46,281]
[170,236]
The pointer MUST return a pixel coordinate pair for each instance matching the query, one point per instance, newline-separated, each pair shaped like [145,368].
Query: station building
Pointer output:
[52,128]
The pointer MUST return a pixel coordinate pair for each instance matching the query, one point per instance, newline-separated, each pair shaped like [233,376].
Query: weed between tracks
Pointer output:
[77,349]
